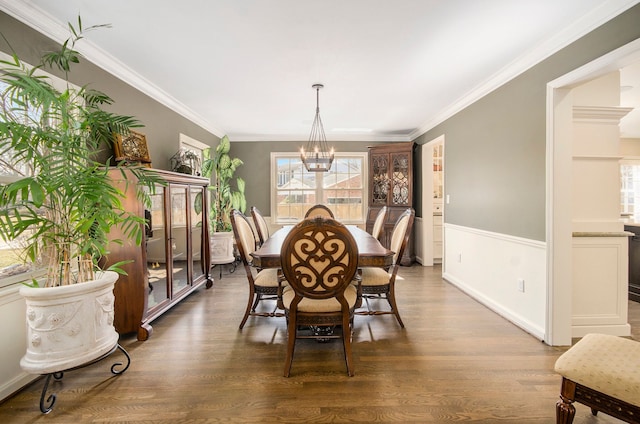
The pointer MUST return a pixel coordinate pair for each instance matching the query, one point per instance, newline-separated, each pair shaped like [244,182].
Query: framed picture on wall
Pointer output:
[132,148]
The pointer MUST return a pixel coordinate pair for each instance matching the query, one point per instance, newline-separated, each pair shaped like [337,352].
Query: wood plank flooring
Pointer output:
[456,361]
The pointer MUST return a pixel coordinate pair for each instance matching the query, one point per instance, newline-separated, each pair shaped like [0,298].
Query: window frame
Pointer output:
[625,192]
[62,85]
[364,156]
[196,146]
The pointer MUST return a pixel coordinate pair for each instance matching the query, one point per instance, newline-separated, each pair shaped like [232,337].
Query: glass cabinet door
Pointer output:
[379,179]
[178,222]
[400,179]
[196,208]
[156,242]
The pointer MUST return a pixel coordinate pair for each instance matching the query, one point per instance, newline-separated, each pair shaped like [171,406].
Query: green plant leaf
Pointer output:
[68,203]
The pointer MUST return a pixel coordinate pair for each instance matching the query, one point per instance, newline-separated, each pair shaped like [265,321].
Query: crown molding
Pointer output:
[602,114]
[46,25]
[337,138]
[605,12]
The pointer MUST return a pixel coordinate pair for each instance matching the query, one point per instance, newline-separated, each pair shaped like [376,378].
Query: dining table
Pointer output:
[371,253]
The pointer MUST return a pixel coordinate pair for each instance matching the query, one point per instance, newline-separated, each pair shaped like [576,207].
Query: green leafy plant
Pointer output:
[224,197]
[186,161]
[63,204]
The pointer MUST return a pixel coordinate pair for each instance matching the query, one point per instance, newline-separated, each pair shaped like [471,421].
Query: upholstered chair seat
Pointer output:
[375,276]
[267,278]
[320,305]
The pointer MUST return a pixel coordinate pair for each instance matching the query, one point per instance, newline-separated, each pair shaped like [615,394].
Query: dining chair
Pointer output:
[319,258]
[261,225]
[264,284]
[376,231]
[319,210]
[380,283]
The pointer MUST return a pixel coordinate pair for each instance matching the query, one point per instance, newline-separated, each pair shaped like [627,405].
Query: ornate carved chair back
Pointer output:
[262,286]
[319,259]
[376,231]
[400,235]
[377,282]
[261,225]
[319,210]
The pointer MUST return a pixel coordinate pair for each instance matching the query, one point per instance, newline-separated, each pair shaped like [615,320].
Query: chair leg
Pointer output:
[249,303]
[255,304]
[391,298]
[346,341]
[291,344]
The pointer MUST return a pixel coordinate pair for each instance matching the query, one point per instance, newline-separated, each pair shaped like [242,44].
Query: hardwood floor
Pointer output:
[455,361]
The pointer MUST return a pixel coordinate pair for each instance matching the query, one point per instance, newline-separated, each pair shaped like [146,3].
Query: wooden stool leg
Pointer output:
[565,411]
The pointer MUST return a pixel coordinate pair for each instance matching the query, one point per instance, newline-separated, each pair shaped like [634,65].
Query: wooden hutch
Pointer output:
[391,185]
[173,259]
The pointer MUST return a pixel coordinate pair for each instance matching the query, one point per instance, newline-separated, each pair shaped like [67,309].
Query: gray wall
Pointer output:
[257,163]
[161,125]
[495,148]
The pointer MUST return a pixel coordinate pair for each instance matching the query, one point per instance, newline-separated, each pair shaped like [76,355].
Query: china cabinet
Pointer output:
[391,185]
[173,259]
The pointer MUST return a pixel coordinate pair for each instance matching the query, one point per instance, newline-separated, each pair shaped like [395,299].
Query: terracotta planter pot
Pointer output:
[69,326]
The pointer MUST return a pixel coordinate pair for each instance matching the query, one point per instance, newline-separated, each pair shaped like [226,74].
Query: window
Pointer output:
[12,268]
[630,190]
[342,189]
[10,261]
[194,146]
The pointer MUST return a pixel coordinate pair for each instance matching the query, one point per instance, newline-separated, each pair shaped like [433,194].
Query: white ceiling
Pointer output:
[391,69]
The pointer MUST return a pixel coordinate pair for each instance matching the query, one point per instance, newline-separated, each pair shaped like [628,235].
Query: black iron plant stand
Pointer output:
[47,405]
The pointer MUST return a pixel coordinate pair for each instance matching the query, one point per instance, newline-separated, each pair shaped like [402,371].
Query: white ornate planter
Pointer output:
[69,326]
[222,248]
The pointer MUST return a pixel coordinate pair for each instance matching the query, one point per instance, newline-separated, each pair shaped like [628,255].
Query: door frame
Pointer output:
[427,200]
[558,181]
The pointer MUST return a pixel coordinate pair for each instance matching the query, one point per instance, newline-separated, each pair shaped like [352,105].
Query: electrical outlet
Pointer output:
[459,257]
[521,284]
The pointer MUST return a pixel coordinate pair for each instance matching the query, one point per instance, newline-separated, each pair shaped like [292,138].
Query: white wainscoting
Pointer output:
[487,266]
[600,298]
[13,333]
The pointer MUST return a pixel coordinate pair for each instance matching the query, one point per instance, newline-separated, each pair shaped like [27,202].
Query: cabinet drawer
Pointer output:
[437,220]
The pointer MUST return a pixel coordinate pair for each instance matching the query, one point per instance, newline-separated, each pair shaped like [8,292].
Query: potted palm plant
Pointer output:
[62,206]
[224,198]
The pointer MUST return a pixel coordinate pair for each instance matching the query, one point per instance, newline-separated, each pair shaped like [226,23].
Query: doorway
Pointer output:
[559,187]
[432,243]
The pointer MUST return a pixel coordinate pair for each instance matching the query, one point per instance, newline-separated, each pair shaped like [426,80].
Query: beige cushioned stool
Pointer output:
[603,373]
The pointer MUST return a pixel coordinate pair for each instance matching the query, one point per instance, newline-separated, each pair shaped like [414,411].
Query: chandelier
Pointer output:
[317,157]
